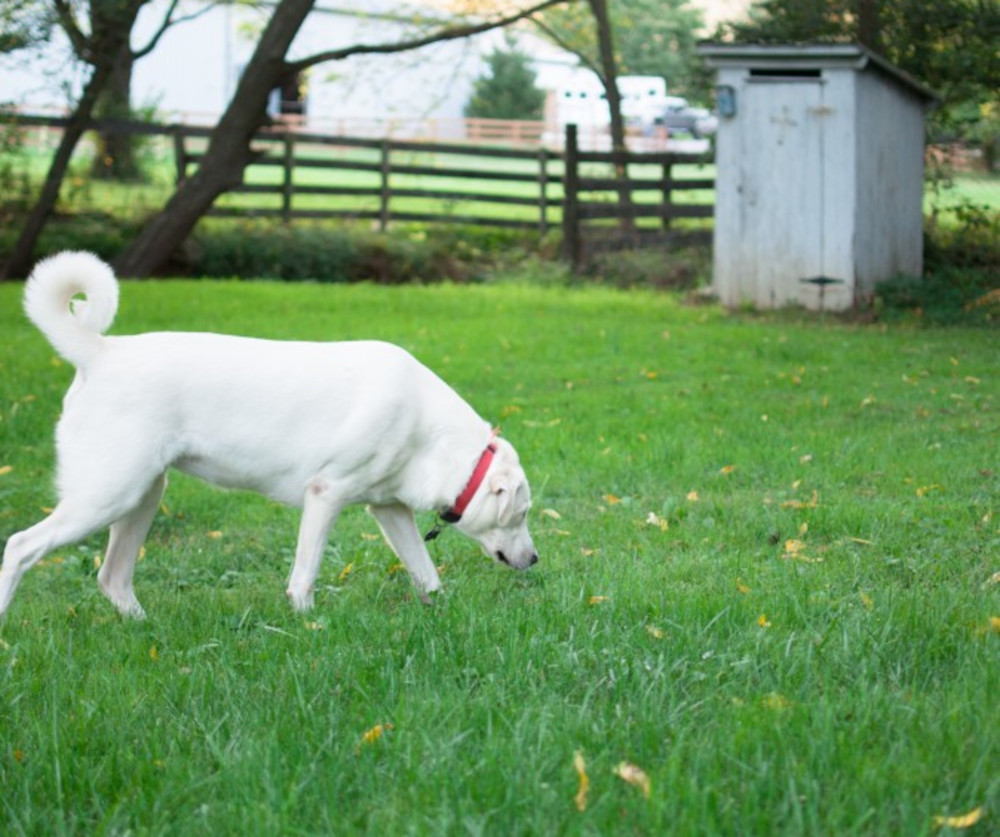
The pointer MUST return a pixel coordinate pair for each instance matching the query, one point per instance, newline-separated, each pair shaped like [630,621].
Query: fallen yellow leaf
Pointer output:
[656,633]
[692,497]
[812,503]
[154,655]
[552,513]
[215,535]
[611,500]
[962,821]
[763,621]
[653,519]
[372,735]
[6,469]
[597,599]
[775,701]
[346,571]
[727,469]
[634,775]
[741,587]
[581,771]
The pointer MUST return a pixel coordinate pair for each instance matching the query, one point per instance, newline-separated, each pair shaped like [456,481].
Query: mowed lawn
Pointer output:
[768,600]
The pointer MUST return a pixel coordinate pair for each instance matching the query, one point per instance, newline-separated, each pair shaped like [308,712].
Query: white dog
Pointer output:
[317,425]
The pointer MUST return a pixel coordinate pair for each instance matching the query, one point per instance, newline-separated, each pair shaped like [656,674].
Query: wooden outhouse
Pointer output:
[819,185]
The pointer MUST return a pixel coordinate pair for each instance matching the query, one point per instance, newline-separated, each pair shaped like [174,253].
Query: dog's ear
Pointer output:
[501,488]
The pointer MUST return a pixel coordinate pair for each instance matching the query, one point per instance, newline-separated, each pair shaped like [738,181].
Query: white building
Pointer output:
[193,72]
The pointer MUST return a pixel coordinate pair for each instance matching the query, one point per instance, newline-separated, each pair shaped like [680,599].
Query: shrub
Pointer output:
[327,253]
[681,269]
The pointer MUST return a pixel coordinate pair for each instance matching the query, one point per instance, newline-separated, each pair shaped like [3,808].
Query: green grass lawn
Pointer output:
[769,555]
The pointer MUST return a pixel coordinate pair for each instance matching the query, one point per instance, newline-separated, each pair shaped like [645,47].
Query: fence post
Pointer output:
[180,158]
[287,185]
[543,182]
[667,196]
[383,209]
[571,183]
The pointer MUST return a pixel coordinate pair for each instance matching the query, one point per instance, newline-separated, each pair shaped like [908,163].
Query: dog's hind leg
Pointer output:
[127,537]
[67,524]
[320,509]
[400,530]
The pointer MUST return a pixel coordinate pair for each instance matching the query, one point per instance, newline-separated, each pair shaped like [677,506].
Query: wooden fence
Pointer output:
[615,197]
[298,175]
[436,168]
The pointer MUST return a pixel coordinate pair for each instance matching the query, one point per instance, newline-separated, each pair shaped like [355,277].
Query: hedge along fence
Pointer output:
[298,175]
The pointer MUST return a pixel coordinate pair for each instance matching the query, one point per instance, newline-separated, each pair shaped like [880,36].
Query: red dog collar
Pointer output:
[454,514]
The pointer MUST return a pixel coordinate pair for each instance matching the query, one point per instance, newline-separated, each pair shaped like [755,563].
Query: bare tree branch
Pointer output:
[560,41]
[168,21]
[449,33]
[68,22]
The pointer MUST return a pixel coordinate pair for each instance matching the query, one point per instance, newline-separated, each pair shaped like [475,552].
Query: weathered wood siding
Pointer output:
[819,174]
[890,155]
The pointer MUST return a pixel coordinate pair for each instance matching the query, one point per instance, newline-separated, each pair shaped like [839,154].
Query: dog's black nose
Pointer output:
[534,559]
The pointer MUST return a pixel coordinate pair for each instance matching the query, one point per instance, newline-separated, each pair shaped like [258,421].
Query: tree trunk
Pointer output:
[228,152]
[609,77]
[115,158]
[21,258]
[869,26]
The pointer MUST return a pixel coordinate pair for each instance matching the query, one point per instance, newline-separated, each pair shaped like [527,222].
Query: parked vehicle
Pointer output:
[680,117]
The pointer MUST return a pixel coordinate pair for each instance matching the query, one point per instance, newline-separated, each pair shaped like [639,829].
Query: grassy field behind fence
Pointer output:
[768,579]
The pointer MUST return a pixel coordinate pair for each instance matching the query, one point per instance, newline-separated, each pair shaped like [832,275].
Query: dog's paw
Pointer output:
[432,597]
[126,604]
[300,601]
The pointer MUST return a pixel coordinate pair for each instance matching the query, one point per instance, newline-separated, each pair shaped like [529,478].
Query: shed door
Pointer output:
[782,185]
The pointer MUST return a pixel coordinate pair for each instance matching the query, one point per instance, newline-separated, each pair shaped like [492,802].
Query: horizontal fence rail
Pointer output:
[435,175]
[600,199]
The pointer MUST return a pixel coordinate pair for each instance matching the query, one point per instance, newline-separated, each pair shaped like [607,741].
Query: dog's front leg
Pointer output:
[400,529]
[319,511]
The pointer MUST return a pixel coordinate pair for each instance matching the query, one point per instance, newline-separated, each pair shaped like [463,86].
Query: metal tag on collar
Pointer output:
[435,530]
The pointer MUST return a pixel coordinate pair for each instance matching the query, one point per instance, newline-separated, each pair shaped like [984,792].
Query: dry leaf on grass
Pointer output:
[962,821]
[634,775]
[580,766]
[370,736]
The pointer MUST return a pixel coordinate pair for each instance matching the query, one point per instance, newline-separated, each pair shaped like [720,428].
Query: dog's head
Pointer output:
[497,515]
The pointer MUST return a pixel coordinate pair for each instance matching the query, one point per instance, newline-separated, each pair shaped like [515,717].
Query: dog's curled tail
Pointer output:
[73,327]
